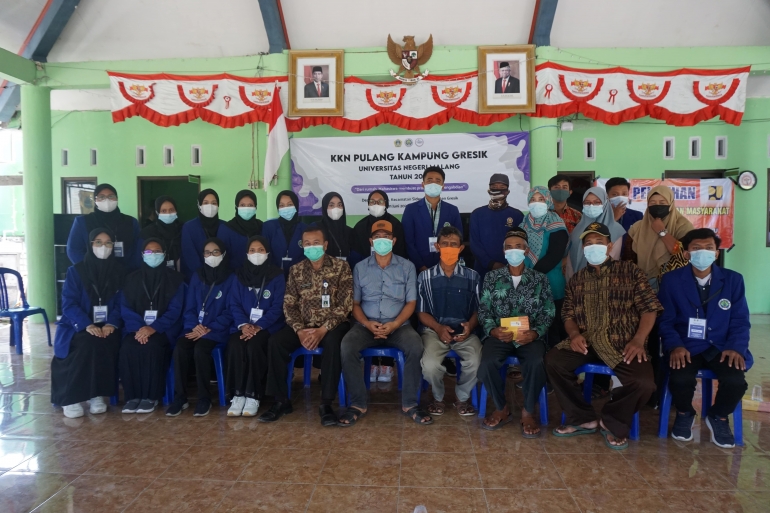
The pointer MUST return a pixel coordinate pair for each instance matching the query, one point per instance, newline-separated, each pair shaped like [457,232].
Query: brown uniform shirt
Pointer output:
[302,302]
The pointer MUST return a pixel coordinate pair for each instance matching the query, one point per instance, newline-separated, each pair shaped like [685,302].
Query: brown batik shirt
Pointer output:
[302,302]
[607,304]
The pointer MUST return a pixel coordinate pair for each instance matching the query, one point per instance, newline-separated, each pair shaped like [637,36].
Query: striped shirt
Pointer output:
[450,300]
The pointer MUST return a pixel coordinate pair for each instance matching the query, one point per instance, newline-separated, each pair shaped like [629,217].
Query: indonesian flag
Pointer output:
[277,139]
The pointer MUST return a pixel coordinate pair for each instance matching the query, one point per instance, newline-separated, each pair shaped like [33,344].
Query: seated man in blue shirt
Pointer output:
[423,219]
[384,297]
[705,325]
[448,306]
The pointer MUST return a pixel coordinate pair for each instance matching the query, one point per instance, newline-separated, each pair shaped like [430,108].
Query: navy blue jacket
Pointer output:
[169,322]
[271,230]
[727,313]
[629,219]
[418,228]
[217,317]
[193,238]
[78,244]
[242,299]
[487,231]
[77,313]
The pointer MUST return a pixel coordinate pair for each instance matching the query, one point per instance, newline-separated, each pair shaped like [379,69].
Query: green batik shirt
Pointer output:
[532,298]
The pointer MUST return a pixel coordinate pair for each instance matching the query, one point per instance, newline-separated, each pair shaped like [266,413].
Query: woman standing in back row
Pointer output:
[196,231]
[237,231]
[285,232]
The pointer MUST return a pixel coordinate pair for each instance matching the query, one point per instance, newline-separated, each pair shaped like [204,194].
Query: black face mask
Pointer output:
[659,211]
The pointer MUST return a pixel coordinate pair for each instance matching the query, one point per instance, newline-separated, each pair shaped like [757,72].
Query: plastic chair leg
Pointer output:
[665,410]
[738,424]
[219,369]
[169,384]
[290,377]
[307,370]
[368,372]
[342,392]
[17,332]
[401,363]
[634,434]
[47,328]
[543,400]
[708,396]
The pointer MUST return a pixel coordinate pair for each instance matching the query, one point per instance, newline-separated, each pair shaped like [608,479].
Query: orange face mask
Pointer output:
[449,256]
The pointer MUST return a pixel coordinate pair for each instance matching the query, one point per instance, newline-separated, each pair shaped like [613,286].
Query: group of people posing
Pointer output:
[556,288]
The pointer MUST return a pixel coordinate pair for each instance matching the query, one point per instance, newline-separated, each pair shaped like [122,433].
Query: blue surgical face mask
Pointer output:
[619,200]
[153,259]
[514,256]
[596,254]
[247,213]
[287,212]
[592,211]
[382,246]
[537,209]
[313,253]
[433,190]
[702,258]
[167,218]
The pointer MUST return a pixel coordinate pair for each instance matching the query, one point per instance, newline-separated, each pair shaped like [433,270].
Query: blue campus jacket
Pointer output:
[168,322]
[242,299]
[418,228]
[193,238]
[271,230]
[487,231]
[77,313]
[217,317]
[727,313]
[78,244]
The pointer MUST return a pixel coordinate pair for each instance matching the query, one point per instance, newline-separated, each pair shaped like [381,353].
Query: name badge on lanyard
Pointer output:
[201,315]
[117,249]
[326,299]
[150,316]
[170,263]
[432,243]
[100,314]
[256,314]
[696,329]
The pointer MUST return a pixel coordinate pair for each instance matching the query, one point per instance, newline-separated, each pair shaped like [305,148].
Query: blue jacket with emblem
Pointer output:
[418,229]
[242,299]
[272,231]
[726,313]
[217,316]
[193,237]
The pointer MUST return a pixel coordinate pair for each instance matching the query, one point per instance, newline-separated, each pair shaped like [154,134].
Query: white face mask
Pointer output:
[257,258]
[107,205]
[102,252]
[214,261]
[209,210]
[377,210]
[335,213]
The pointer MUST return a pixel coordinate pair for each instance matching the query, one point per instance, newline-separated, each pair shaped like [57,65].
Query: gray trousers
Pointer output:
[360,338]
[494,354]
[433,370]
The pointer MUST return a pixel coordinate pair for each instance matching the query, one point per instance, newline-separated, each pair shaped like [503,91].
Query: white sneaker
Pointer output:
[236,407]
[386,374]
[373,373]
[97,405]
[73,411]
[251,407]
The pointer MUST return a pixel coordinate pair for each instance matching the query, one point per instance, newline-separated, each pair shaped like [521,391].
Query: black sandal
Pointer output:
[417,414]
[328,418]
[351,415]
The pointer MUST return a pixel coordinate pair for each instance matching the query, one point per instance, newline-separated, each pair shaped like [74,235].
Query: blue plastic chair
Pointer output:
[542,400]
[308,368]
[458,366]
[391,352]
[590,369]
[17,315]
[707,380]
[217,354]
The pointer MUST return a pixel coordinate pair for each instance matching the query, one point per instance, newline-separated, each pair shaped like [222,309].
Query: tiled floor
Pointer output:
[116,462]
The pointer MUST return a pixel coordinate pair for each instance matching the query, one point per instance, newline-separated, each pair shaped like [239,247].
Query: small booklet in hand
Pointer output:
[515,324]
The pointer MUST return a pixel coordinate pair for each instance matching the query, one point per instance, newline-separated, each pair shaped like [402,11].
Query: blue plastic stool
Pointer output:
[391,352]
[308,367]
[458,366]
[590,369]
[542,400]
[216,354]
[17,315]
[707,379]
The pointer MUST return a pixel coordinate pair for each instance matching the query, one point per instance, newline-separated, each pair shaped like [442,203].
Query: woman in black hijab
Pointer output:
[334,222]
[106,214]
[378,211]
[153,299]
[196,231]
[256,305]
[88,334]
[166,227]
[285,232]
[244,225]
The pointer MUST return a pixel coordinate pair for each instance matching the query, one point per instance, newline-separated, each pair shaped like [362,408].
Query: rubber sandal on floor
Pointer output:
[417,414]
[578,431]
[613,447]
[352,415]
[533,425]
[499,425]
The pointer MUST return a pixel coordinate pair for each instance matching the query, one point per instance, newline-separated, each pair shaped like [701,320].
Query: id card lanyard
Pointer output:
[151,298]
[432,240]
[100,312]
[202,313]
[326,299]
[256,311]
[696,327]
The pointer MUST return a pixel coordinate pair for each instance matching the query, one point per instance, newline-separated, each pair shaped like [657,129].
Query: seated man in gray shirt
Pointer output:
[384,297]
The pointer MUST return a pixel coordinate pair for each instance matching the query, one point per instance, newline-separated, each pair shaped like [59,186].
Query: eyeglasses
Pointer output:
[152,252]
[99,244]
[216,252]
[102,197]
[382,236]
[377,202]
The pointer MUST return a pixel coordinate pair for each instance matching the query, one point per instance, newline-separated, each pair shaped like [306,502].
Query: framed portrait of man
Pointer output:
[506,79]
[316,83]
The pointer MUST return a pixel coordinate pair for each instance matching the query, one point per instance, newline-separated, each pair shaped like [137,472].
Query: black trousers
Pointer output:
[88,370]
[732,385]
[285,342]
[494,353]
[186,352]
[247,365]
[143,366]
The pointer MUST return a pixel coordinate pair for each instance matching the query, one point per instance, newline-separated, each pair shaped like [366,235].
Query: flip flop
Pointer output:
[620,447]
[578,431]
[499,425]
[524,432]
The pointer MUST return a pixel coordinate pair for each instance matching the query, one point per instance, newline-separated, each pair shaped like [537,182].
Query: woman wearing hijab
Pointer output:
[655,239]
[548,239]
[596,209]
[151,308]
[245,224]
[107,215]
[378,211]
[206,324]
[88,334]
[166,227]
[285,232]
[256,305]
[334,222]
[196,231]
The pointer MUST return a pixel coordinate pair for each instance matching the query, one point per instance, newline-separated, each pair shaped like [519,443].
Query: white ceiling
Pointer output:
[16,20]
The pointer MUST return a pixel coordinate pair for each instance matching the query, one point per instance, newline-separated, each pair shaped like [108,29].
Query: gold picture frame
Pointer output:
[313,92]
[510,90]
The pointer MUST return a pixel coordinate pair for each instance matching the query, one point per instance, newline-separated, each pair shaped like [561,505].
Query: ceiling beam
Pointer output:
[272,16]
[15,68]
[542,21]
